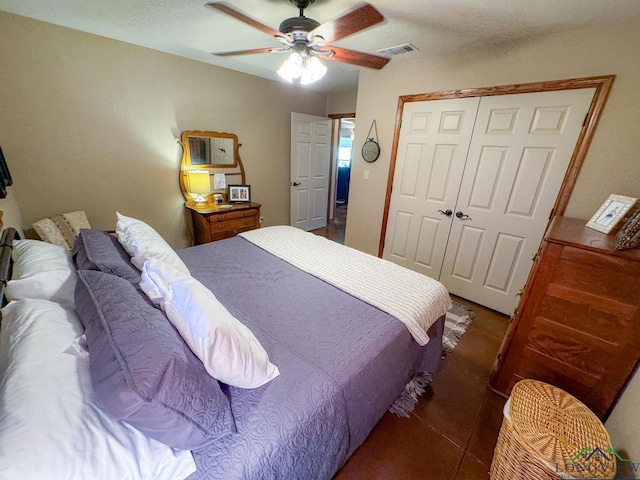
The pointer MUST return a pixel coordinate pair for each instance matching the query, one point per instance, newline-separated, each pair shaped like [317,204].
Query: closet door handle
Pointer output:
[462,216]
[295,184]
[448,212]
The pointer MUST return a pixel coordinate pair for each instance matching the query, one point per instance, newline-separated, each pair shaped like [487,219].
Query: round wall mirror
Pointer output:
[370,151]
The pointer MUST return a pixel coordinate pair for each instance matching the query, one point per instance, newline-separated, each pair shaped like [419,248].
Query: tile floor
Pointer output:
[335,228]
[454,427]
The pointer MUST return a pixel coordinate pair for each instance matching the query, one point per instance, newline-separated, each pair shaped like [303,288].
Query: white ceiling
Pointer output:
[436,27]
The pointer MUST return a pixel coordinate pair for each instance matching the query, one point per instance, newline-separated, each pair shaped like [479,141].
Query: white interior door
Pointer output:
[432,151]
[520,151]
[310,157]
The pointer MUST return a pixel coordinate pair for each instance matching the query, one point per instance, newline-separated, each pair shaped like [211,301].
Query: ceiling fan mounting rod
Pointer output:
[302,4]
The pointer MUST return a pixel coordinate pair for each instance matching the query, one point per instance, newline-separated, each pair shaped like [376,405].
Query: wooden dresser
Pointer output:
[217,222]
[578,323]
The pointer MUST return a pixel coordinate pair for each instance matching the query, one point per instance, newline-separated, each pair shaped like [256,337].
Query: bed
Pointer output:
[340,362]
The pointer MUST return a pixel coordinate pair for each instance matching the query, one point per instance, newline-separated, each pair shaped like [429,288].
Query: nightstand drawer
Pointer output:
[234,224]
[218,223]
[230,231]
[226,217]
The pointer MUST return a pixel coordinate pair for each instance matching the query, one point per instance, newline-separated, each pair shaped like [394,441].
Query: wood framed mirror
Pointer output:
[213,153]
[210,149]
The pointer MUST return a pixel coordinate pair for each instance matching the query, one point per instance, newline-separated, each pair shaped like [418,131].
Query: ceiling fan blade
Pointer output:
[352,22]
[357,58]
[250,52]
[232,12]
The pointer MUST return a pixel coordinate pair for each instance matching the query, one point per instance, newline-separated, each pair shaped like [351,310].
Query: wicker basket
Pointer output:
[547,434]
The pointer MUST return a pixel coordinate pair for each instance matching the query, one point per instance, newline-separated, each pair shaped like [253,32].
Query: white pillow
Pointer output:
[142,242]
[41,271]
[51,426]
[35,256]
[227,348]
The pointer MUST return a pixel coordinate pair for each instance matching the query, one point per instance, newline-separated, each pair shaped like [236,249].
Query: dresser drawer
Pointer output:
[578,323]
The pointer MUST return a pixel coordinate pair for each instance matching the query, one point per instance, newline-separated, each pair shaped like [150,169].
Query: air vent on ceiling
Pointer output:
[397,50]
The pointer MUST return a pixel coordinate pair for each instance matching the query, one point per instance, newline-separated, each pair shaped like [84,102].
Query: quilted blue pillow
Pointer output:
[98,250]
[142,371]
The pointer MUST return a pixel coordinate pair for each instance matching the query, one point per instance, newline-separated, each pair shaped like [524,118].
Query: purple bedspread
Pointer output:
[342,363]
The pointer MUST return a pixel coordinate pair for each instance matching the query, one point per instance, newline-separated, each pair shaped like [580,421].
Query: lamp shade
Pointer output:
[199,184]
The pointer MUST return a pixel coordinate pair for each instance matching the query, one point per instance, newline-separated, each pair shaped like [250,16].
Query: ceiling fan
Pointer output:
[306,39]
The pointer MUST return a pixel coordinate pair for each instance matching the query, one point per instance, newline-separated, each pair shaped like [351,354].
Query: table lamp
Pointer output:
[199,185]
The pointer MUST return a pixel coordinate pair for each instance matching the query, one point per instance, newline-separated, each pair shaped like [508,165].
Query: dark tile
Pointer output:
[485,434]
[471,469]
[403,448]
[456,399]
[479,348]
[490,321]
[335,229]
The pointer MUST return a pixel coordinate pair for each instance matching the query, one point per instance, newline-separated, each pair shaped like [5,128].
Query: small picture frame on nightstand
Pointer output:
[239,194]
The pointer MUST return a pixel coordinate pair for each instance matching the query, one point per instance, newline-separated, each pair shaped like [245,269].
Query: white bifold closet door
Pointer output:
[474,185]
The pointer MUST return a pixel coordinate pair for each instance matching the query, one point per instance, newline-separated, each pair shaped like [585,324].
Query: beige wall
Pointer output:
[11,216]
[611,166]
[342,102]
[624,423]
[91,123]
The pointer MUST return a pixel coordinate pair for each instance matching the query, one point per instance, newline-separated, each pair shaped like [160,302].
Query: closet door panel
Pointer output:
[519,153]
[431,155]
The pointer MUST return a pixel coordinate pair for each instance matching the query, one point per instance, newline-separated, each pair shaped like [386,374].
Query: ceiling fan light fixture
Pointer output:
[307,67]
[312,70]
[292,67]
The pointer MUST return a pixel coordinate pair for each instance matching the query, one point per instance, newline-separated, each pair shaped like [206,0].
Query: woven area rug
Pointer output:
[456,322]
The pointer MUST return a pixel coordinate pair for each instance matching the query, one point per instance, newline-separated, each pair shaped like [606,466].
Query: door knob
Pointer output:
[295,184]
[446,212]
[462,216]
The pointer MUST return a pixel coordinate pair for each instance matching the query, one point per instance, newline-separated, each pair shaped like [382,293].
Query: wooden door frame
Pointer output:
[602,85]
[333,162]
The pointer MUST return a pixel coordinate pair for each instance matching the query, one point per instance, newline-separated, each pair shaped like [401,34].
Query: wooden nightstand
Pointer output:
[216,222]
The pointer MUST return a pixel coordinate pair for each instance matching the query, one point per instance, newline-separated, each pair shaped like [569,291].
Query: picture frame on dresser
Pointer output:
[612,213]
[239,194]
